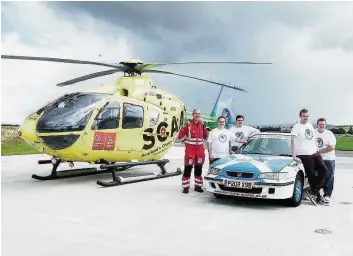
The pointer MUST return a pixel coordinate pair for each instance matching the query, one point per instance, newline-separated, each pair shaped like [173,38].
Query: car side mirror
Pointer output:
[235,148]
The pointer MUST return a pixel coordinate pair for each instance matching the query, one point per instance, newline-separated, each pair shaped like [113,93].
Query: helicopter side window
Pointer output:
[132,116]
[108,117]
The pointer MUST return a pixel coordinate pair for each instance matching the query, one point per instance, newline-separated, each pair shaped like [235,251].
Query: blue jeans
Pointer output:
[329,180]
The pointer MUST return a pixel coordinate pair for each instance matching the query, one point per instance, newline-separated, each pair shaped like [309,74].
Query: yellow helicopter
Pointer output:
[119,126]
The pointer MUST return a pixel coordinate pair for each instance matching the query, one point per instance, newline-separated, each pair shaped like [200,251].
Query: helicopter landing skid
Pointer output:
[55,175]
[118,180]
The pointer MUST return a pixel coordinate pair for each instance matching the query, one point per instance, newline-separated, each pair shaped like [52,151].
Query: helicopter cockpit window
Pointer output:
[108,117]
[70,113]
[133,116]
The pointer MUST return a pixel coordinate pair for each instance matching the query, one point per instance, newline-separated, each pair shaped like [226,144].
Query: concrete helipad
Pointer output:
[74,217]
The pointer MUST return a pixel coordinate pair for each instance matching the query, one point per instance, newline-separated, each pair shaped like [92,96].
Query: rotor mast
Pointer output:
[130,65]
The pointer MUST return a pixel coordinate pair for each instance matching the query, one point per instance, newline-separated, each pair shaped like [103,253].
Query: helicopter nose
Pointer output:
[27,131]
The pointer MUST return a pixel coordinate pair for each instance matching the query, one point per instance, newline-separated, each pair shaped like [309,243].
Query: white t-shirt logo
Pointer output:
[308,134]
[239,135]
[222,138]
[320,142]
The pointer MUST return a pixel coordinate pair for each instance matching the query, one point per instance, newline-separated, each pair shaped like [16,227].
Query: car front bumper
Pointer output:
[265,190]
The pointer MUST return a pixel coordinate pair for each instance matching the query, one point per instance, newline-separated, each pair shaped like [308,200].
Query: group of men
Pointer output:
[314,147]
[219,143]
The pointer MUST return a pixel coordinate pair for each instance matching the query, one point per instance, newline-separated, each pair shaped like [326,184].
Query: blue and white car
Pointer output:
[263,168]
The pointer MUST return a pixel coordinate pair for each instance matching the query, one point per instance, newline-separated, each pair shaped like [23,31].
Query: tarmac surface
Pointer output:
[76,217]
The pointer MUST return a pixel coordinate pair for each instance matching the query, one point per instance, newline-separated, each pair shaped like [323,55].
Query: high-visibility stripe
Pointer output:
[195,139]
[186,183]
[193,143]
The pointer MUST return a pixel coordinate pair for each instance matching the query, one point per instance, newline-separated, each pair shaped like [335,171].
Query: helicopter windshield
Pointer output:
[70,113]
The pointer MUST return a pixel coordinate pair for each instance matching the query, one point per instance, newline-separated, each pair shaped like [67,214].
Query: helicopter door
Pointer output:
[130,134]
[105,128]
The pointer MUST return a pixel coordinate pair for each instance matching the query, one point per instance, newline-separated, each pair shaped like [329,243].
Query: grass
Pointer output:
[12,144]
[344,143]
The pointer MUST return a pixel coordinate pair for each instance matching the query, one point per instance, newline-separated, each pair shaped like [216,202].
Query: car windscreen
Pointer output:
[271,145]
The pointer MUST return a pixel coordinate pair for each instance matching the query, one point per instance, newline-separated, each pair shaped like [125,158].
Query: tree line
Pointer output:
[288,130]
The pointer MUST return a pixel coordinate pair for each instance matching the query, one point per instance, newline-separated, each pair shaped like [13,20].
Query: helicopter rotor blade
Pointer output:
[144,67]
[90,76]
[72,61]
[196,78]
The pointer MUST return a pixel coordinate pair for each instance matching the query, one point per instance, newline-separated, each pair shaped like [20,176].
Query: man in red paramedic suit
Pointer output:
[193,134]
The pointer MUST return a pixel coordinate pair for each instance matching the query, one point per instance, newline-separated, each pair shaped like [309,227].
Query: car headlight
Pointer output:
[294,163]
[214,171]
[274,175]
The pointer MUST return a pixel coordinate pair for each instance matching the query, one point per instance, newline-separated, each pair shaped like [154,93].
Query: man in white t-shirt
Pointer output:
[241,131]
[326,142]
[218,142]
[304,146]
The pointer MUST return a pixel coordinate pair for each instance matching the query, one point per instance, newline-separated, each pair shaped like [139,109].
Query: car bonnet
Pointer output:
[257,163]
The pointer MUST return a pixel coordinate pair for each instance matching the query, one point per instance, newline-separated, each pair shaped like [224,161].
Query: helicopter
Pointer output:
[118,126]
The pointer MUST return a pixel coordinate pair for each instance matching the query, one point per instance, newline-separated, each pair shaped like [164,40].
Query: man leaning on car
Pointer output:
[304,146]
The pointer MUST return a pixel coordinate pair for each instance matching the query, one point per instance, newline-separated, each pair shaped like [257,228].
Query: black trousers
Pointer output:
[188,169]
[312,163]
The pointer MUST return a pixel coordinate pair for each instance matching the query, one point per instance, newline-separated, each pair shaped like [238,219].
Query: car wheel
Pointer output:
[296,198]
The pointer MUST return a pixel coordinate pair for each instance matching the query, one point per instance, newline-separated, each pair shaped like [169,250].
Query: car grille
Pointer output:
[240,174]
[241,190]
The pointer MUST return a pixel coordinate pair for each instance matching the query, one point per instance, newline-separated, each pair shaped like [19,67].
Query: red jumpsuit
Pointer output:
[193,135]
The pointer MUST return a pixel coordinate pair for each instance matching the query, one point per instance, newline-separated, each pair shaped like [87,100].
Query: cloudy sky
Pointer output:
[309,43]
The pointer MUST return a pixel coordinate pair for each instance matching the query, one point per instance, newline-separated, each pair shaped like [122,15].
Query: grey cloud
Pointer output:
[223,29]
[187,31]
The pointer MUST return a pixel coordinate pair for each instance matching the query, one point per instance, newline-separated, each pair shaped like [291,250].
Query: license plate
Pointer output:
[238,184]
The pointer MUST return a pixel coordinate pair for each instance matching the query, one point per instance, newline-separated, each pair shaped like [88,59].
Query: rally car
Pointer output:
[262,168]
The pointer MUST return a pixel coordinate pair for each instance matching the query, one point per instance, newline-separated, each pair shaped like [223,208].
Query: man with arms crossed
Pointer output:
[304,146]
[241,131]
[326,142]
[218,142]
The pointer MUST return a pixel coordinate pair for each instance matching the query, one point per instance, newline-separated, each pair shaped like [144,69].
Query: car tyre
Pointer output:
[296,198]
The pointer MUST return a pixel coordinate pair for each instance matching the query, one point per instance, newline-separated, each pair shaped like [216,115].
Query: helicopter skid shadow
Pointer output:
[119,180]
[122,174]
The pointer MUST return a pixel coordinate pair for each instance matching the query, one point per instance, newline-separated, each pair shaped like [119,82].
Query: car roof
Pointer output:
[260,134]
[275,133]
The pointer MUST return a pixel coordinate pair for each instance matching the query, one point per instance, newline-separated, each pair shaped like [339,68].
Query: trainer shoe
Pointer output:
[327,199]
[321,200]
[185,190]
